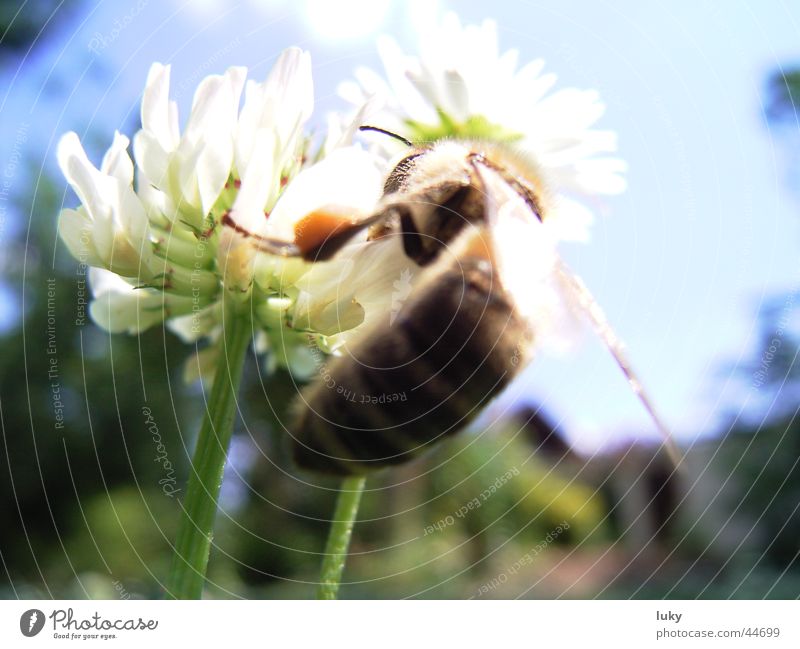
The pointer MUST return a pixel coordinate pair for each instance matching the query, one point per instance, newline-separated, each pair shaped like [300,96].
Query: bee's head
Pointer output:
[397,178]
[448,159]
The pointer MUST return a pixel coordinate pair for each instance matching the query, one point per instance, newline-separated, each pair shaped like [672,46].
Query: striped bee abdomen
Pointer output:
[454,344]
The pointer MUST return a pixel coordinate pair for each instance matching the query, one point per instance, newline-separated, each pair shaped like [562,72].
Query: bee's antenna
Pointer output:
[617,349]
[377,129]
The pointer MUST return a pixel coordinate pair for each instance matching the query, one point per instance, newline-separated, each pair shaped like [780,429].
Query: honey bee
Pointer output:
[469,216]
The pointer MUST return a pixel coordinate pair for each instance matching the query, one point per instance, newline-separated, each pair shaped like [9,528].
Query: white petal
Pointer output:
[118,313]
[117,162]
[152,158]
[371,82]
[201,365]
[259,182]
[457,95]
[131,224]
[349,179]
[215,104]
[157,204]
[158,116]
[118,307]
[205,154]
[74,228]
[282,104]
[397,71]
[198,324]
[213,169]
[341,130]
[103,281]
[290,79]
[82,176]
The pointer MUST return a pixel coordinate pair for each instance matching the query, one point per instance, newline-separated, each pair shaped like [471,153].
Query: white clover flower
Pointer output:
[461,85]
[185,237]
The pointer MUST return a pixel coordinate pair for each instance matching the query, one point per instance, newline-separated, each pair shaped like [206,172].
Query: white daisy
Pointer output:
[461,85]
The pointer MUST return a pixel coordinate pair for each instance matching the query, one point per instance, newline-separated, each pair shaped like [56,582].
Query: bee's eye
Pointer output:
[397,178]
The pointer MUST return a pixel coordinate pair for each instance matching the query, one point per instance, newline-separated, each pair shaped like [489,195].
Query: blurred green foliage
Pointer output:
[56,474]
[22,24]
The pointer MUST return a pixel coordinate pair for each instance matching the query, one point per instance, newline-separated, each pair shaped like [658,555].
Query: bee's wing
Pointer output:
[532,271]
[364,276]
[525,257]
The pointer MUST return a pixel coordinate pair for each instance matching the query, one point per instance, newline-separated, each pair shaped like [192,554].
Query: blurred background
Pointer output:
[696,265]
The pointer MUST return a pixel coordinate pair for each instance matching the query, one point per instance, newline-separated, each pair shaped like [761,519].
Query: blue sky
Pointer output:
[681,262]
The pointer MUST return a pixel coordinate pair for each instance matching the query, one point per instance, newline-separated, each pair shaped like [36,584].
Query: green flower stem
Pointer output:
[196,527]
[339,537]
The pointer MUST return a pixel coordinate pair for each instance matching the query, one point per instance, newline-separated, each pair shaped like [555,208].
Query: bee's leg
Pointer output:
[318,236]
[327,244]
[277,247]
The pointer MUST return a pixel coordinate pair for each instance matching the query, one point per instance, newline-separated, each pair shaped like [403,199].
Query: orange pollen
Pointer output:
[317,227]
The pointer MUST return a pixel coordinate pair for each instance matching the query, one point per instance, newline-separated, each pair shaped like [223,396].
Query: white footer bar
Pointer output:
[388,624]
